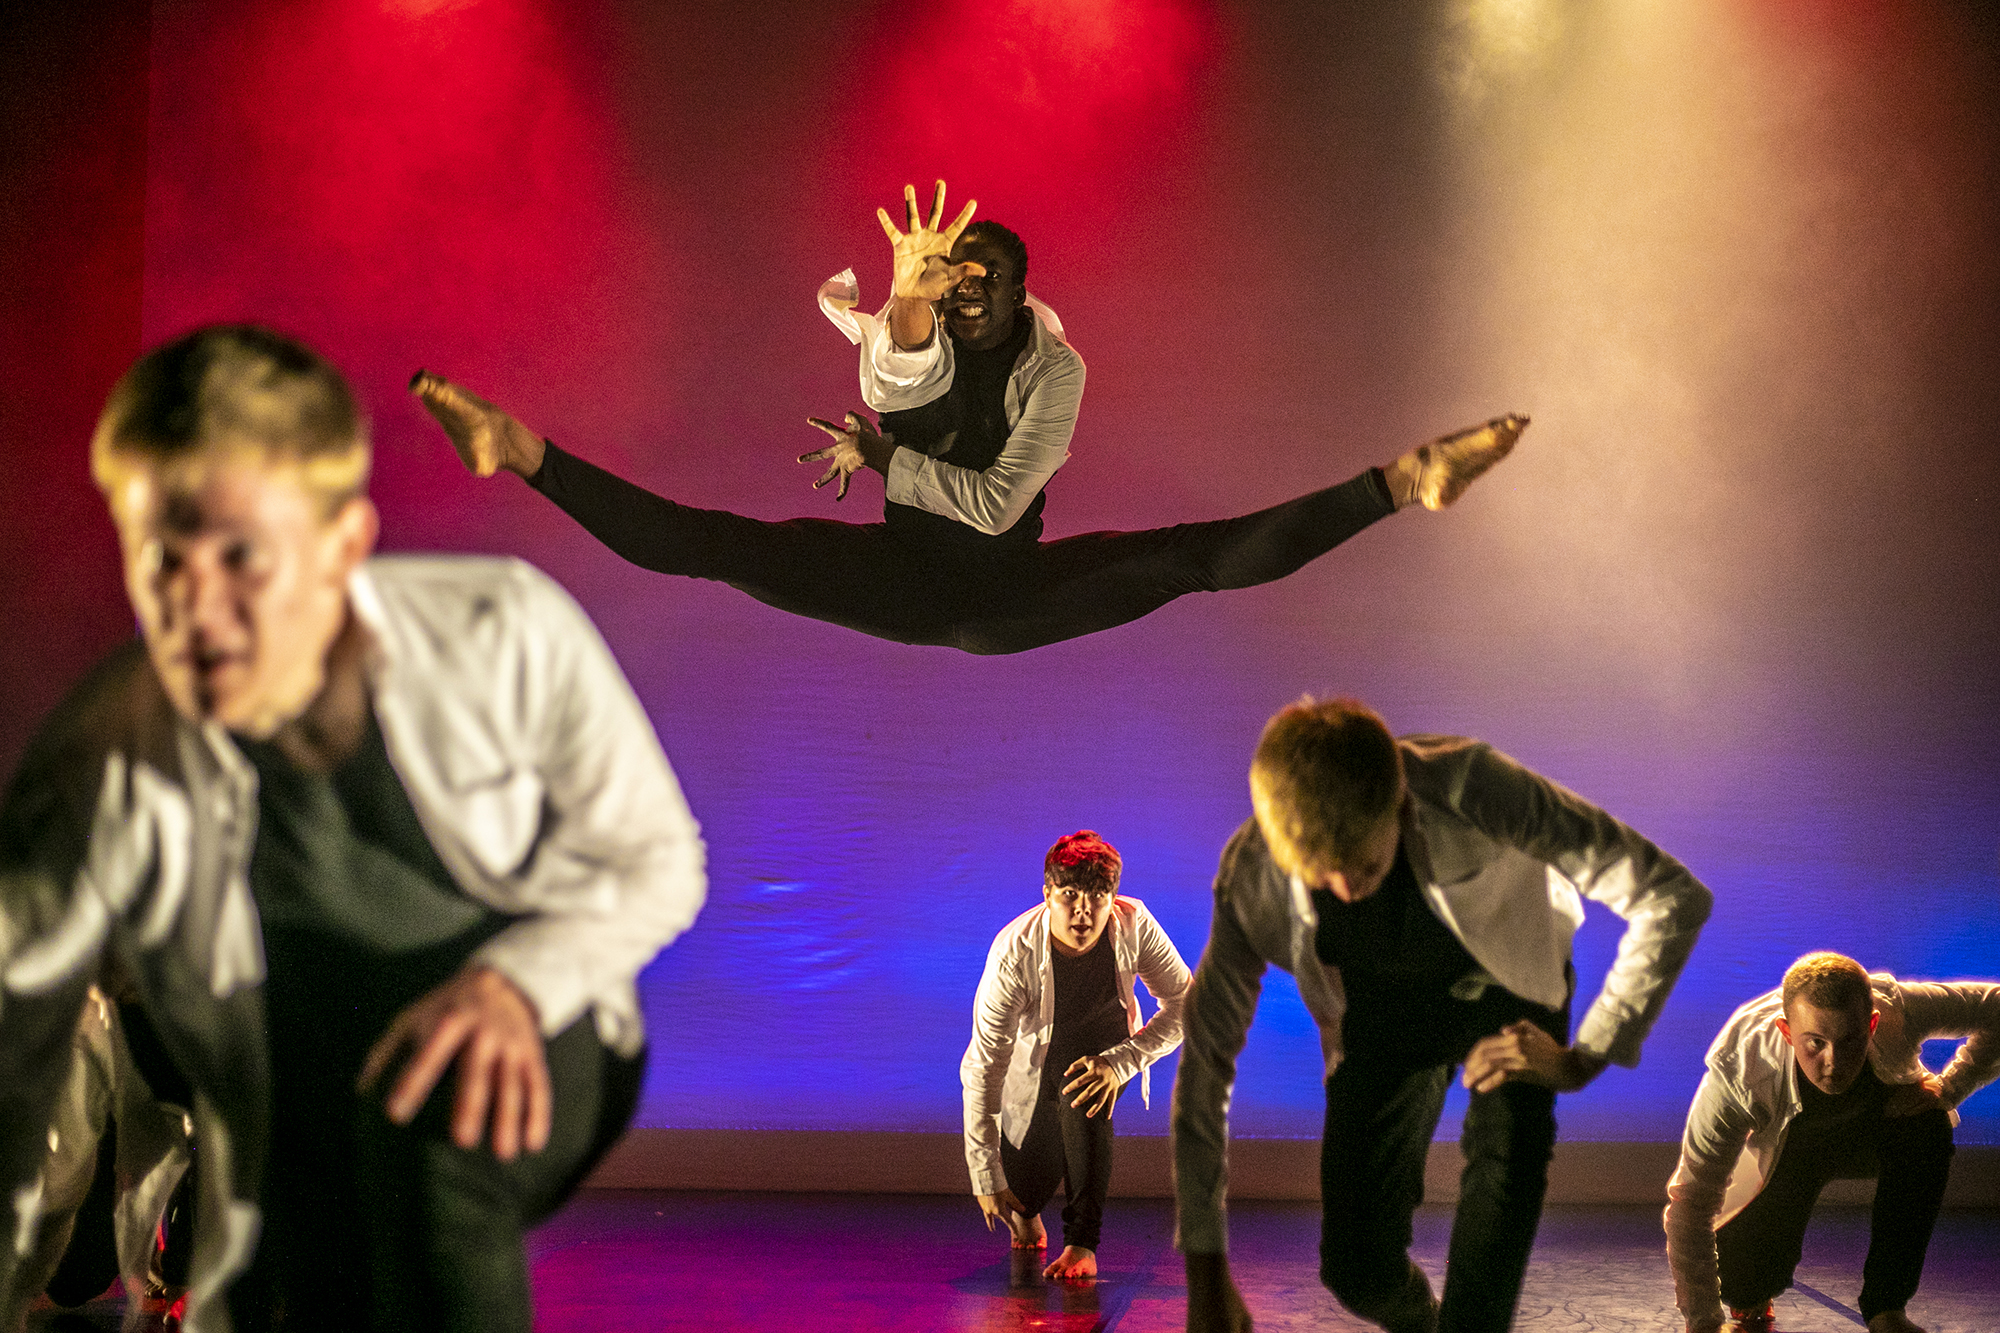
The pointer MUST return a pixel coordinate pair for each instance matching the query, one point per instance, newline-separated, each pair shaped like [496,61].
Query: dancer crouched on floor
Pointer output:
[1822,1079]
[346,825]
[1056,1037]
[1424,893]
[976,418]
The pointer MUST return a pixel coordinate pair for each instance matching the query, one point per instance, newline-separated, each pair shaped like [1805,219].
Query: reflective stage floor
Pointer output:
[619,1261]
[623,1261]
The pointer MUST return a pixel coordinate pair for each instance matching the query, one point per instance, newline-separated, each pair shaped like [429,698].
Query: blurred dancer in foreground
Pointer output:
[345,826]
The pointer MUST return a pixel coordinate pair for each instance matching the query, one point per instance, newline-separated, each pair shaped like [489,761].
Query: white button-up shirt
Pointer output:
[1749,1096]
[1014,1014]
[1043,393]
[1504,858]
[532,767]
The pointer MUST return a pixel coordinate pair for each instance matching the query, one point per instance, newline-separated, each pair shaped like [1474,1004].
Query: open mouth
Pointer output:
[968,310]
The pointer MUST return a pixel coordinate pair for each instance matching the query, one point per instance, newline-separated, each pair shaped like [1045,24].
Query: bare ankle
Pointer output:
[525,452]
[1402,476]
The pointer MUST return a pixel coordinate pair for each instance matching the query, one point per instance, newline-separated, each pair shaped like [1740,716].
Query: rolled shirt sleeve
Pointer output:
[1968,1009]
[1718,1124]
[992,500]
[1003,997]
[1663,905]
[1166,978]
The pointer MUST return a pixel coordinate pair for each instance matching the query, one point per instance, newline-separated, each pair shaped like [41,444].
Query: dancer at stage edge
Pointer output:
[1823,1079]
[975,422]
[345,825]
[1056,1037]
[1424,893]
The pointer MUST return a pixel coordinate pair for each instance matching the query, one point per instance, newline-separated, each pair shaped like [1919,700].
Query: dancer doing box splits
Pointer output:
[975,422]
[1056,1037]
[343,824]
[1822,1079]
[1424,893]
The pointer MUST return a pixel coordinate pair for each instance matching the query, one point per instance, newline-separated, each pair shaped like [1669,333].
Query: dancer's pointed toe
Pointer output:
[1448,465]
[487,439]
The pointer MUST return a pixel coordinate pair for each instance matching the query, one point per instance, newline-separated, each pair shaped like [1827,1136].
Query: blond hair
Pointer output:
[1827,980]
[221,392]
[1326,775]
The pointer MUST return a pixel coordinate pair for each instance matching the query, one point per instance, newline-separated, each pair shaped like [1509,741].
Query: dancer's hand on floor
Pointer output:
[1523,1053]
[1916,1098]
[1003,1207]
[1092,1080]
[482,1021]
[854,448]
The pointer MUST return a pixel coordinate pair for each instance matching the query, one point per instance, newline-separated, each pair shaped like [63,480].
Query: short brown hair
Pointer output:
[1827,980]
[1325,776]
[1082,860]
[231,388]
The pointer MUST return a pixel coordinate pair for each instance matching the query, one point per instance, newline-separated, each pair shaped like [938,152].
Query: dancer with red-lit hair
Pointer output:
[976,417]
[1056,1036]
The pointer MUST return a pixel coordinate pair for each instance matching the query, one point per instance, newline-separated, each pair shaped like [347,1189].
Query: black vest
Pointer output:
[966,426]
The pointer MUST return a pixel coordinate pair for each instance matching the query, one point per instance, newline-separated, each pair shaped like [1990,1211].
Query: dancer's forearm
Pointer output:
[912,323]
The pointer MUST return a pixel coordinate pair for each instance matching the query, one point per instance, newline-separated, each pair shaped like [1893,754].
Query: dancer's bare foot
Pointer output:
[1435,474]
[488,440]
[1892,1321]
[1759,1319]
[1074,1264]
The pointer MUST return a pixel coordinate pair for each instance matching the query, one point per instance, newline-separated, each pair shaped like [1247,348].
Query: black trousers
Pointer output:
[1758,1250]
[1063,1147]
[1380,1115]
[369,1225]
[866,577]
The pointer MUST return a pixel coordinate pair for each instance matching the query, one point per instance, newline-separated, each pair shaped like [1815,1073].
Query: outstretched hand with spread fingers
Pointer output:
[856,447]
[924,271]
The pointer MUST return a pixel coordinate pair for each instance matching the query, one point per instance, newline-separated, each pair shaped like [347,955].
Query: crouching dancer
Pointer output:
[1822,1079]
[343,824]
[1424,893]
[1055,1037]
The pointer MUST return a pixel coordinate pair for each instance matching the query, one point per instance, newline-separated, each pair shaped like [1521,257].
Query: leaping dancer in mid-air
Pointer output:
[975,420]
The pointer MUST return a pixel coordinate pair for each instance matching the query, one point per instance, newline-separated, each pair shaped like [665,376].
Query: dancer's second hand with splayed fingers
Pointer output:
[853,448]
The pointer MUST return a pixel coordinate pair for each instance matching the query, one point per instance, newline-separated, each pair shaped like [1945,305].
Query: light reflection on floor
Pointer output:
[619,1260]
[616,1261]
